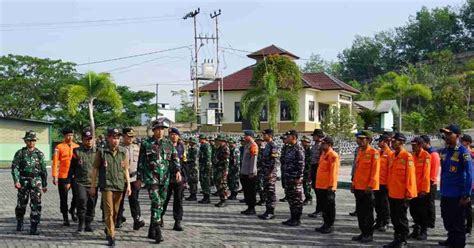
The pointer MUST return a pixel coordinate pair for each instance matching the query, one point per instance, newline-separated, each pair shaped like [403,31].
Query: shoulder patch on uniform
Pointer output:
[376,156]
[467,156]
[411,163]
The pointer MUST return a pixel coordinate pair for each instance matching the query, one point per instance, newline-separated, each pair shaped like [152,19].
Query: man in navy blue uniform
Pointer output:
[456,182]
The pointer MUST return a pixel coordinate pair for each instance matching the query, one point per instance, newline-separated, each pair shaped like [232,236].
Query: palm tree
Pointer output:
[268,94]
[398,87]
[91,87]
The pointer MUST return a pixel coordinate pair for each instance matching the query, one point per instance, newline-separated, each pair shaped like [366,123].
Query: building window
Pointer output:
[237,113]
[285,114]
[311,110]
[323,110]
[264,114]
[213,105]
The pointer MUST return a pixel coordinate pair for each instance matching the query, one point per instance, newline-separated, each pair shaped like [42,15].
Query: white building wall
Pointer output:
[387,121]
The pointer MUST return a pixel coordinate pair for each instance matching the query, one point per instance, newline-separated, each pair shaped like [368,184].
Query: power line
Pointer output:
[132,56]
[169,63]
[144,62]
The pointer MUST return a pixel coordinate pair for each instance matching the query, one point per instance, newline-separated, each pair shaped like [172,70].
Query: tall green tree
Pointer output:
[339,122]
[274,79]
[396,86]
[93,87]
[185,113]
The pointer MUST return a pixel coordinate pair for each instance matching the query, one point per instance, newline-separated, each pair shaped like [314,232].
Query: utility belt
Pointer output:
[28,175]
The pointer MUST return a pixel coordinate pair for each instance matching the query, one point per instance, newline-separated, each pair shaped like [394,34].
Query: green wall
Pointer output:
[7,151]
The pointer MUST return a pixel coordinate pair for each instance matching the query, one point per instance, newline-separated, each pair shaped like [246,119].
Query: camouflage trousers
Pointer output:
[205,178]
[307,185]
[193,179]
[294,195]
[157,195]
[260,183]
[282,176]
[233,178]
[269,189]
[221,172]
[30,190]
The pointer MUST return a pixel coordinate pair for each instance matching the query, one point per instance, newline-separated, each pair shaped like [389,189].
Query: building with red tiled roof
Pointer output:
[320,91]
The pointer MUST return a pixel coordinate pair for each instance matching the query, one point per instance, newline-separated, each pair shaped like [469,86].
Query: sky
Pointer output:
[88,31]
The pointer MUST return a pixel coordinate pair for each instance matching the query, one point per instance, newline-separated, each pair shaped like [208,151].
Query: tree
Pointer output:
[185,112]
[29,85]
[339,122]
[90,88]
[369,117]
[275,78]
[395,86]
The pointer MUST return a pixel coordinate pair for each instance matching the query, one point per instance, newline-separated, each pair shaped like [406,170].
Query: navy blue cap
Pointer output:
[467,138]
[451,129]
[174,130]
[292,132]
[268,131]
[67,130]
[399,136]
[248,133]
[328,140]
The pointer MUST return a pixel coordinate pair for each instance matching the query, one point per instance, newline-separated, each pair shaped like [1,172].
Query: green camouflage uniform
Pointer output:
[192,169]
[29,169]
[234,169]
[157,161]
[307,173]
[205,167]
[260,172]
[221,170]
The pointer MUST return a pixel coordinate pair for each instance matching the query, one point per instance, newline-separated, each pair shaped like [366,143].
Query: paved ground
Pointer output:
[204,226]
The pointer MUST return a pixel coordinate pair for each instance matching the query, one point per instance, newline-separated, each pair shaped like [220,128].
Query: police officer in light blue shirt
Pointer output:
[456,179]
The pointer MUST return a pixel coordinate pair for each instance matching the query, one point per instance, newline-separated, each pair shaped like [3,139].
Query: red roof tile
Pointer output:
[271,50]
[239,80]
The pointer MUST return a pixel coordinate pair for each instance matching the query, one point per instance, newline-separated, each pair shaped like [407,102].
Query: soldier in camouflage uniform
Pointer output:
[30,179]
[294,166]
[269,158]
[192,169]
[221,169]
[205,168]
[157,163]
[282,165]
[212,143]
[260,172]
[306,142]
[234,169]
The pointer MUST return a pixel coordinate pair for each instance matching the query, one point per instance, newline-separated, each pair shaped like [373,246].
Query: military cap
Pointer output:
[193,140]
[364,134]
[292,132]
[388,133]
[283,137]
[451,129]
[87,133]
[67,130]
[175,131]
[30,135]
[328,140]
[306,139]
[268,131]
[202,136]
[249,133]
[129,131]
[221,137]
[466,138]
[417,141]
[426,138]
[160,123]
[318,132]
[383,137]
[400,137]
[210,138]
[113,131]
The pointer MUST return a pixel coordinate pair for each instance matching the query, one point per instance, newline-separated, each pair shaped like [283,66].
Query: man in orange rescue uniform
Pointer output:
[62,159]
[420,204]
[364,182]
[381,196]
[326,183]
[401,188]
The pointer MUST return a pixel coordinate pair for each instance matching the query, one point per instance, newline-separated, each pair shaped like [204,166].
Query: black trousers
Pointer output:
[133,202]
[454,217]
[418,211]
[63,192]
[250,190]
[431,205]
[382,207]
[176,189]
[319,203]
[398,214]
[469,217]
[328,207]
[365,211]
[85,203]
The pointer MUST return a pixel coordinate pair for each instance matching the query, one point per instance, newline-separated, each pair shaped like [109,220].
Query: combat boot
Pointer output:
[192,197]
[205,199]
[283,199]
[396,243]
[315,214]
[34,229]
[158,236]
[80,225]
[415,233]
[151,231]
[268,215]
[19,225]
[423,234]
[73,215]
[296,216]
[177,226]
[248,211]
[111,241]
[66,220]
[233,196]
[221,203]
[137,224]
[88,227]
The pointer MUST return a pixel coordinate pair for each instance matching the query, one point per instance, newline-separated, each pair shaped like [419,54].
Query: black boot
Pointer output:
[283,199]
[110,242]
[315,214]
[158,236]
[80,225]
[233,196]
[423,234]
[248,211]
[151,231]
[73,215]
[205,199]
[66,220]
[268,215]
[296,216]
[19,225]
[177,226]
[137,224]
[192,197]
[88,227]
[34,229]
[415,233]
[221,203]
[396,243]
